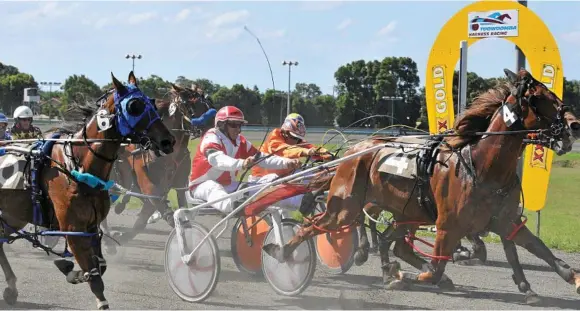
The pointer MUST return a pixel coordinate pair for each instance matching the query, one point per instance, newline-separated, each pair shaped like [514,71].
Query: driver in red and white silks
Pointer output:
[222,152]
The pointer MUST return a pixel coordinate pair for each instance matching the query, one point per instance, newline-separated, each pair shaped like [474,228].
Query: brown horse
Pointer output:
[154,175]
[467,185]
[76,207]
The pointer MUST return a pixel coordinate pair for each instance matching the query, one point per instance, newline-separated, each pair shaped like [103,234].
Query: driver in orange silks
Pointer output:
[288,142]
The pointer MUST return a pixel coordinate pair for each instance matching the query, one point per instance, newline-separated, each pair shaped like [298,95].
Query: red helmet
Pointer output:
[229,113]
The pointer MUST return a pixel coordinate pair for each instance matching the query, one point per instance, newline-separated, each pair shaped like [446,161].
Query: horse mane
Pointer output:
[75,116]
[477,117]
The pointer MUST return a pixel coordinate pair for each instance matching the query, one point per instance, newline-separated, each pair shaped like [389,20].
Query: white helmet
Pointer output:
[22,112]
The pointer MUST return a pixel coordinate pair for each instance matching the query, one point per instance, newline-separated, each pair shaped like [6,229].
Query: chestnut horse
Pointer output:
[73,206]
[154,175]
[467,185]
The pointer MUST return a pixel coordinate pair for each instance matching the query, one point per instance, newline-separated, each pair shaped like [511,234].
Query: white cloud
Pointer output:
[572,37]
[45,11]
[344,24]
[388,30]
[320,5]
[182,15]
[139,18]
[226,26]
[229,18]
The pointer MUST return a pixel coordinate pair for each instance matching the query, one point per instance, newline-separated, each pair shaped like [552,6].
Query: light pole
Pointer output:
[290,64]
[133,56]
[392,99]
[50,84]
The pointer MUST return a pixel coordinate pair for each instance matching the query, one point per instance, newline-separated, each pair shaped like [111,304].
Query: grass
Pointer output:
[559,218]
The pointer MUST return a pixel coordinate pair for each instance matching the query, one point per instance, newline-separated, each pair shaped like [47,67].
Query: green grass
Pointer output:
[559,218]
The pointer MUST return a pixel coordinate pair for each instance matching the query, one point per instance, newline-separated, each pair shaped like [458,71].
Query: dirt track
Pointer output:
[135,279]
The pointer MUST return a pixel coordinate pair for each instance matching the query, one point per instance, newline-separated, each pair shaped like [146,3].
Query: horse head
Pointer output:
[133,115]
[535,107]
[187,103]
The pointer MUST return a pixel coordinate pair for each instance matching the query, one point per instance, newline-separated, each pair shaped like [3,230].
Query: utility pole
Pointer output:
[290,64]
[133,57]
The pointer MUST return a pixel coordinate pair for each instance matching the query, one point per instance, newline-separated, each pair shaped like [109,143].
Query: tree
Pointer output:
[248,100]
[79,89]
[12,87]
[154,86]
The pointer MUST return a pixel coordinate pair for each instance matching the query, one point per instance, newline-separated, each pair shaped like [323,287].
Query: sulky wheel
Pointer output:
[291,277]
[247,248]
[196,281]
[335,250]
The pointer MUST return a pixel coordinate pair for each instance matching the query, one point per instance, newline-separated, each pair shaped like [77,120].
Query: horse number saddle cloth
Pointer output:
[15,168]
[415,161]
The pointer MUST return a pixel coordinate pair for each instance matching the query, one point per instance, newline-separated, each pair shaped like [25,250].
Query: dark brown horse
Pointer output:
[70,205]
[155,175]
[467,185]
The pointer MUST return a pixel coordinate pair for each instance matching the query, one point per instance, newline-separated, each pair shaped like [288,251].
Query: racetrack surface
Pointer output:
[135,279]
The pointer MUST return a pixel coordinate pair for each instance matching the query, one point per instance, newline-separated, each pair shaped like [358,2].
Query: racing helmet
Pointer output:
[22,112]
[229,113]
[295,126]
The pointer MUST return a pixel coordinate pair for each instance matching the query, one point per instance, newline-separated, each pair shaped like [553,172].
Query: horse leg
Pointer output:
[10,292]
[519,278]
[478,252]
[404,251]
[374,237]
[362,253]
[328,222]
[534,245]
[444,245]
[87,252]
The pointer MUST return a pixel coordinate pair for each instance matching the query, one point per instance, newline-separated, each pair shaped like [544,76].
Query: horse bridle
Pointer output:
[557,123]
[186,109]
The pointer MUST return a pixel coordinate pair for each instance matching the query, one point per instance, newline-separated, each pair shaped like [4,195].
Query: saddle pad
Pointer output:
[12,169]
[401,161]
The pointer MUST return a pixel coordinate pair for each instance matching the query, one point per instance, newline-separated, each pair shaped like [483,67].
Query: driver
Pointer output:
[4,135]
[221,153]
[23,128]
[287,141]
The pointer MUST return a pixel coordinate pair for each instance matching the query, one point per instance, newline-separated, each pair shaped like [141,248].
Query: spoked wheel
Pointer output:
[335,250]
[247,248]
[196,281]
[291,277]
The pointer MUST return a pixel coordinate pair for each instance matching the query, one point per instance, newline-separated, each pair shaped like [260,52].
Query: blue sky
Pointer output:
[53,40]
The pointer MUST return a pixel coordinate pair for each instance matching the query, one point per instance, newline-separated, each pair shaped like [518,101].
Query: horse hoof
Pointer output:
[532,298]
[119,208]
[170,220]
[10,295]
[360,257]
[64,266]
[446,284]
[398,285]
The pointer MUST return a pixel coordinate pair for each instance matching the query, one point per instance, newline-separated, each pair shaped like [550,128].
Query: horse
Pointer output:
[154,175]
[67,203]
[463,183]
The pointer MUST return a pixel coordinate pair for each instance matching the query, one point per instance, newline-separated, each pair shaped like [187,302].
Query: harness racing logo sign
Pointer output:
[491,24]
[538,157]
